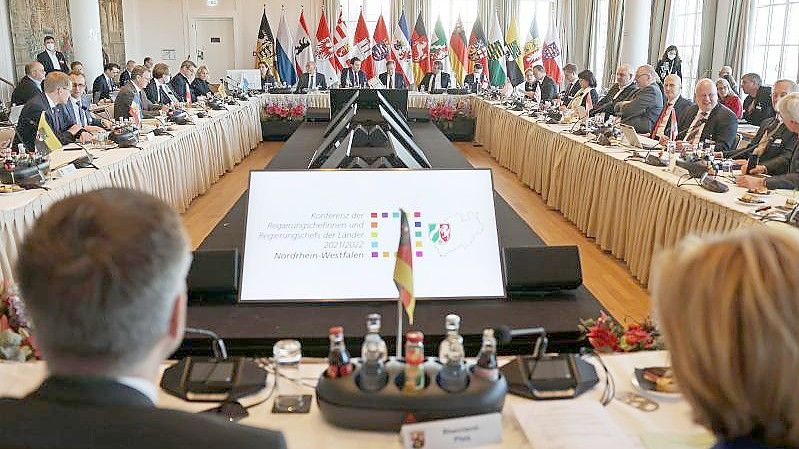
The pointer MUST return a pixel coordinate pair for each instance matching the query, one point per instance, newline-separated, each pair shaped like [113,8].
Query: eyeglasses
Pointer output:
[79,85]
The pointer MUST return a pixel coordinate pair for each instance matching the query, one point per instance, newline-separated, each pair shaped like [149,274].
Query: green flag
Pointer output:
[514,56]
[438,48]
[496,54]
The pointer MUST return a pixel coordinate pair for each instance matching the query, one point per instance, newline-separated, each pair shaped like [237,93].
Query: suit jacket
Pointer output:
[44,58]
[180,85]
[305,81]
[761,106]
[790,180]
[681,107]
[423,86]
[548,89]
[124,77]
[156,94]
[201,88]
[777,154]
[28,124]
[474,84]
[26,88]
[71,119]
[399,80]
[721,127]
[607,104]
[351,79]
[740,443]
[642,110]
[569,93]
[125,99]
[101,90]
[267,82]
[98,413]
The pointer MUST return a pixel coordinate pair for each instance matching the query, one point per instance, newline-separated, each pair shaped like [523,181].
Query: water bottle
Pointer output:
[414,358]
[486,366]
[374,353]
[453,377]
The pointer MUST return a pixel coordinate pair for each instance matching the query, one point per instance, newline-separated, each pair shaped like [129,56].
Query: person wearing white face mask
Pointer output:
[476,80]
[670,63]
[51,58]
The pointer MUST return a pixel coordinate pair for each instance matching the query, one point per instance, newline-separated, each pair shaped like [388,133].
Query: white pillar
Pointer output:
[6,51]
[635,34]
[86,41]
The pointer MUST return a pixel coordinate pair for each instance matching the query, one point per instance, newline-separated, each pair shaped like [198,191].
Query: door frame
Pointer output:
[192,32]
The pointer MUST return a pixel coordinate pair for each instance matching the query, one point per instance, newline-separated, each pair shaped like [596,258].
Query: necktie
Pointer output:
[80,117]
[312,81]
[352,77]
[432,82]
[660,125]
[56,119]
[390,80]
[693,134]
[766,138]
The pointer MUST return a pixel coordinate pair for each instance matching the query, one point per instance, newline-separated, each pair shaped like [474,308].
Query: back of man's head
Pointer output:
[100,274]
[55,80]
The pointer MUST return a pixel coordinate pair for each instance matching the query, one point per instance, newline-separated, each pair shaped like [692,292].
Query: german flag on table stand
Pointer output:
[403,278]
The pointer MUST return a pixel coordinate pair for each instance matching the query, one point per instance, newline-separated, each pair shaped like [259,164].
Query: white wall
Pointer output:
[6,52]
[152,25]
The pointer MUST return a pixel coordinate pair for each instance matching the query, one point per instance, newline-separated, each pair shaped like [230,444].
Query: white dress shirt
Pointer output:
[54,59]
[435,82]
[142,386]
[621,89]
[80,119]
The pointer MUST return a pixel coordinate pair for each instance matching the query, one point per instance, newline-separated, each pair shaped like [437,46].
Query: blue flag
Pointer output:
[285,53]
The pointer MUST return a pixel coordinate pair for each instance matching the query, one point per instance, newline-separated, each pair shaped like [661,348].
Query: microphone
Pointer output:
[218,346]
[231,79]
[699,171]
[505,334]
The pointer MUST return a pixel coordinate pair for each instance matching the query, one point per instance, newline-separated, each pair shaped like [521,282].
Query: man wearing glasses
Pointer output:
[645,105]
[77,110]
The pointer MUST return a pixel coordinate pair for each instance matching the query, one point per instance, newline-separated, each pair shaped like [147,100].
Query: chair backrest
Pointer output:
[738,139]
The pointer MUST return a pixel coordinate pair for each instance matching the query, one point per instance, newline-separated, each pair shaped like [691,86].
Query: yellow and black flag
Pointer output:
[265,47]
[46,140]
[515,60]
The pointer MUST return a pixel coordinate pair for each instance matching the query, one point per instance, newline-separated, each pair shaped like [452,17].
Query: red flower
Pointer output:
[602,339]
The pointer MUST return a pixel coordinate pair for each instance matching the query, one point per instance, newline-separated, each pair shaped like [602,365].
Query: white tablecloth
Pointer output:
[176,169]
[416,100]
[311,431]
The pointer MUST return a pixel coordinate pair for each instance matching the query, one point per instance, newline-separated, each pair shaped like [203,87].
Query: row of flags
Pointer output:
[503,57]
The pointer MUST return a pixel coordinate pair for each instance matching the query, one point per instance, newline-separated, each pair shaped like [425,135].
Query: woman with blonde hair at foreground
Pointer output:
[728,307]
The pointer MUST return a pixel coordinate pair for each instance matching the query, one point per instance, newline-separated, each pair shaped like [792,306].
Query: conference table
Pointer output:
[630,209]
[670,423]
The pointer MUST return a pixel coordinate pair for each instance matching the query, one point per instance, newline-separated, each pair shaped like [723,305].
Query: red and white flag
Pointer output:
[341,44]
[550,53]
[381,50]
[324,54]
[401,50]
[303,51]
[363,47]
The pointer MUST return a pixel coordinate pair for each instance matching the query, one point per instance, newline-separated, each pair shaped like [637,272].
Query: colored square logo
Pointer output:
[385,253]
[418,234]
[374,234]
[374,224]
[418,254]
[374,244]
[418,224]
[374,254]
[417,214]
[374,214]
[418,243]
[395,215]
[385,214]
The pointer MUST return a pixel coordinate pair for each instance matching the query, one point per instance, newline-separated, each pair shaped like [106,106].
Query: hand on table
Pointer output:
[751,182]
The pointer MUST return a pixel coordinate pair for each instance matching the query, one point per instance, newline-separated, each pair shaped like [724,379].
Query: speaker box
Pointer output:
[542,269]
[214,275]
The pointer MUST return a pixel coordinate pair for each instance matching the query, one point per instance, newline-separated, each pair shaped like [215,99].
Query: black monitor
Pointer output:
[405,139]
[401,152]
[367,99]
[337,117]
[340,153]
[401,121]
[323,151]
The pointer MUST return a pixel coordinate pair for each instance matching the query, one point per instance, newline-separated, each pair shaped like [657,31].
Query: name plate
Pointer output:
[66,170]
[478,430]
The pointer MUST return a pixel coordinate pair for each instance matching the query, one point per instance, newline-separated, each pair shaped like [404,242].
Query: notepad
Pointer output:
[571,424]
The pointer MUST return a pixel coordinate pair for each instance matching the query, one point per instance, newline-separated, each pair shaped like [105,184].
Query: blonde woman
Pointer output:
[728,98]
[733,335]
[200,85]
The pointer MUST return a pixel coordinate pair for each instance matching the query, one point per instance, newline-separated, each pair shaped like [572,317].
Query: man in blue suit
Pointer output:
[104,84]
[353,76]
[76,110]
[181,83]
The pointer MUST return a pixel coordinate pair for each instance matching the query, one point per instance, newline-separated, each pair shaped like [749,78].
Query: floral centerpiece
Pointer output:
[605,334]
[453,116]
[16,341]
[282,116]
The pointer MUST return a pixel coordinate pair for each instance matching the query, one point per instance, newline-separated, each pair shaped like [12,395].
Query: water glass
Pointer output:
[288,380]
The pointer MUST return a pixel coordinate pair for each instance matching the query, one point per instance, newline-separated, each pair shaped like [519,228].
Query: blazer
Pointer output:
[761,107]
[472,83]
[607,104]
[156,94]
[28,124]
[740,443]
[642,110]
[399,80]
[267,82]
[548,89]
[305,81]
[71,119]
[125,99]
[44,58]
[26,88]
[568,94]
[180,85]
[790,180]
[200,88]
[67,412]
[777,155]
[100,89]
[351,79]
[666,67]
[124,77]
[423,86]
[721,127]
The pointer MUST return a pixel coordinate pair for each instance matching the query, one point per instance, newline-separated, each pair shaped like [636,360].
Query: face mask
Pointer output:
[478,73]
[50,47]
[672,56]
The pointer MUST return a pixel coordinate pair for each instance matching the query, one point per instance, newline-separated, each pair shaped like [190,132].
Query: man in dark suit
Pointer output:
[774,143]
[57,88]
[100,390]
[477,80]
[708,120]
[124,77]
[435,80]
[353,76]
[133,92]
[571,85]
[541,83]
[30,84]
[310,80]
[645,105]
[76,110]
[104,84]
[181,83]
[51,58]
[620,91]
[391,79]
[788,108]
[757,105]
[675,105]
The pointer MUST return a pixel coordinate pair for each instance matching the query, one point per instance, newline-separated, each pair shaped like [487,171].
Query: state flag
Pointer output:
[363,47]
[532,47]
[401,49]
[46,136]
[438,48]
[550,53]
[381,48]
[514,55]
[477,47]
[285,53]
[265,46]
[324,54]
[496,54]
[420,47]
[458,51]
[341,44]
[403,268]
[303,51]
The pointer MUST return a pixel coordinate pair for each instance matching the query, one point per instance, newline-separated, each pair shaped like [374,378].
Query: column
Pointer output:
[635,34]
[6,50]
[86,41]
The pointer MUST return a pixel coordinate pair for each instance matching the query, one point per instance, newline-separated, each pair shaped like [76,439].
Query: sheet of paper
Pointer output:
[570,424]
[656,440]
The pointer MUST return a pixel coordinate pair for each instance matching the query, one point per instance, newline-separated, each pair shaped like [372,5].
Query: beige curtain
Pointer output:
[613,49]
[740,12]
[577,20]
[708,42]
[659,29]
[331,13]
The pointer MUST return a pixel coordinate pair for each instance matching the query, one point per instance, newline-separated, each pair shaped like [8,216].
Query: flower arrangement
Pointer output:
[16,340]
[605,334]
[448,109]
[285,109]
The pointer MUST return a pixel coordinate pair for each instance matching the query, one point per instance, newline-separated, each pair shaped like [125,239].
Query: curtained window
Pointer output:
[773,51]
[685,31]
[600,44]
[371,12]
[448,11]
[539,10]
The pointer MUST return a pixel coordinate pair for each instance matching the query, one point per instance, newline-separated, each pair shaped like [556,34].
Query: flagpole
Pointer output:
[399,328]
